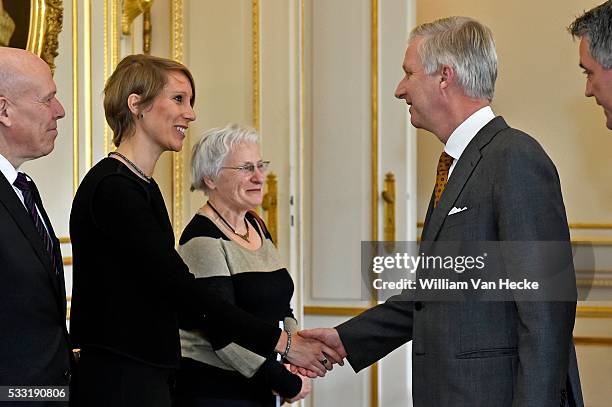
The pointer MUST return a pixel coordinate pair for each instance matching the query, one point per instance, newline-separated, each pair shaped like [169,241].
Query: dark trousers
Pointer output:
[105,379]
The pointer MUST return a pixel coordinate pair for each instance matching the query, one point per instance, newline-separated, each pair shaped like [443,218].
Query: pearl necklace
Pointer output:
[244,236]
[131,164]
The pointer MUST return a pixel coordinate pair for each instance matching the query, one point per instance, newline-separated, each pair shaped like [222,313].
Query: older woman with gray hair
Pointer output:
[228,248]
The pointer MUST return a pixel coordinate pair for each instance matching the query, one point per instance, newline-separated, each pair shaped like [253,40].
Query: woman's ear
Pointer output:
[210,184]
[133,102]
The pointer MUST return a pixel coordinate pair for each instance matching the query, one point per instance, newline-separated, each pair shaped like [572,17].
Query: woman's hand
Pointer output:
[306,389]
[310,354]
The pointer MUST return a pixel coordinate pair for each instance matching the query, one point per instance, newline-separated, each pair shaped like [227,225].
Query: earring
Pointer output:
[141,115]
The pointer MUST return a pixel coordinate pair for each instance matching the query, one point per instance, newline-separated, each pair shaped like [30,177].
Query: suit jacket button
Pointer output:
[418,305]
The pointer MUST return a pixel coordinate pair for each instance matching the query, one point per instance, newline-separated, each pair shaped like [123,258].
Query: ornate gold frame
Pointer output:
[178,159]
[46,17]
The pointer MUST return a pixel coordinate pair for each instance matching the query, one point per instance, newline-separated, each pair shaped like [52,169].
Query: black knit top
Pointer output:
[257,282]
[129,283]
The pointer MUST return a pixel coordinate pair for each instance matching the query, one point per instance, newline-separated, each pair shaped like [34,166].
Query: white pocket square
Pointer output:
[457,210]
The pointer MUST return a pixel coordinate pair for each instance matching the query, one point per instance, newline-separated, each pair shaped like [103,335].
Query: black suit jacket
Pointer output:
[34,347]
[485,353]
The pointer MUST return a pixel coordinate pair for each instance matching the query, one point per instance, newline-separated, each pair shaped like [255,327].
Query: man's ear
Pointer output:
[133,102]
[4,115]
[447,76]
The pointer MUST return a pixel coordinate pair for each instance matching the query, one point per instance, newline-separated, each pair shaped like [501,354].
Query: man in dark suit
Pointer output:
[594,28]
[34,347]
[493,183]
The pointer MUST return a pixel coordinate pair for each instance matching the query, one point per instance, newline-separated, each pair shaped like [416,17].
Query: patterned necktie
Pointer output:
[444,165]
[28,197]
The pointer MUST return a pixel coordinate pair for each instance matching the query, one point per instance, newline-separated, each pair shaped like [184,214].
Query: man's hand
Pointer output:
[312,355]
[328,336]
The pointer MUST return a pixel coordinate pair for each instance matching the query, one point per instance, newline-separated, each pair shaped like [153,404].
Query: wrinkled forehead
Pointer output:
[412,55]
[245,151]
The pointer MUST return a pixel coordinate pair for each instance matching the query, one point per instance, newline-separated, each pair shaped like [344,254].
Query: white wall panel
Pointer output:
[219,54]
[339,34]
[274,106]
[53,173]
[397,155]
[341,387]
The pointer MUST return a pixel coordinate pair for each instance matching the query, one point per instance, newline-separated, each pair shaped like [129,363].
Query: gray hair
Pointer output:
[209,154]
[464,44]
[596,26]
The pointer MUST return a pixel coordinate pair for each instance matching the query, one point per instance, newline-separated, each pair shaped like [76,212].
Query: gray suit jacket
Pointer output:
[478,353]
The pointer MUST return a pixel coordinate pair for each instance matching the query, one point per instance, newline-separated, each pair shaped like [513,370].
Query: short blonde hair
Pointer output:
[143,75]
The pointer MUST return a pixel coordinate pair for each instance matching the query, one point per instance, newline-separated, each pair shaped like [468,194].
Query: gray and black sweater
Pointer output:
[255,281]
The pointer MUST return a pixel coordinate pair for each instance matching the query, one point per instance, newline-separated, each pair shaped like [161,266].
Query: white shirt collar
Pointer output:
[10,173]
[461,137]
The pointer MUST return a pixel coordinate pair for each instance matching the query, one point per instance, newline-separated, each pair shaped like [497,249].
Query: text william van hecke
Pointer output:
[447,284]
[477,284]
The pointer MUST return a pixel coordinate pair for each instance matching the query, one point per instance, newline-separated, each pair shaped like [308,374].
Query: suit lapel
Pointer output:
[15,208]
[430,209]
[461,173]
[23,220]
[57,271]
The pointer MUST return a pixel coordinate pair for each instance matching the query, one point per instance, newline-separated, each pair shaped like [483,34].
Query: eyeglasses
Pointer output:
[249,168]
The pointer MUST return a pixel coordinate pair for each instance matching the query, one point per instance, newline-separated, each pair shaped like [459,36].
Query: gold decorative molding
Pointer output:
[105,45]
[147,32]
[67,260]
[7,27]
[46,18]
[334,311]
[115,47]
[590,225]
[388,196]
[374,119]
[131,10]
[115,36]
[64,239]
[592,341]
[374,396]
[87,79]
[256,62]
[591,241]
[75,96]
[593,312]
[270,206]
[594,282]
[176,44]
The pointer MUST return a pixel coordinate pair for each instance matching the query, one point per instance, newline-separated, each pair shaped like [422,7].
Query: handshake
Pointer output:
[311,352]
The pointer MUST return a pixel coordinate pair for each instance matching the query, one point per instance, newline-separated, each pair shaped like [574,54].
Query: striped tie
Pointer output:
[25,187]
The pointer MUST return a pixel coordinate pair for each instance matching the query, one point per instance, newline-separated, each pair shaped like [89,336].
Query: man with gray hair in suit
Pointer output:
[594,28]
[496,184]
[34,344]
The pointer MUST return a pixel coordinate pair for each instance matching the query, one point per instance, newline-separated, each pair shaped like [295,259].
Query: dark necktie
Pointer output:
[444,165]
[26,187]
